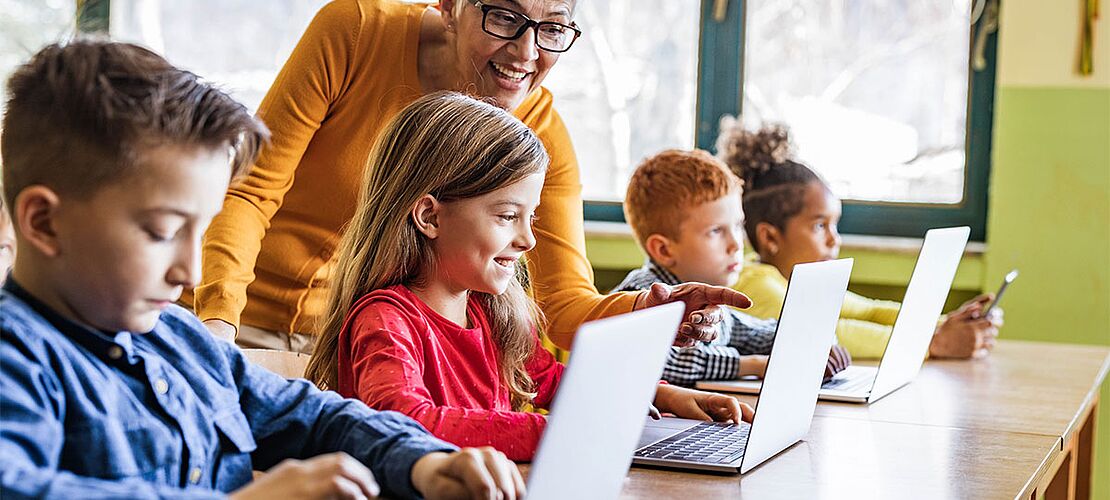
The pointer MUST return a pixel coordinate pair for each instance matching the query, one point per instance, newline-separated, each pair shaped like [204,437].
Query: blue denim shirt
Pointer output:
[171,413]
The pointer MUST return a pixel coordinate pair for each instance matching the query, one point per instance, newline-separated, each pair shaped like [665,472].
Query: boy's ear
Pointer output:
[33,213]
[769,239]
[658,248]
[425,214]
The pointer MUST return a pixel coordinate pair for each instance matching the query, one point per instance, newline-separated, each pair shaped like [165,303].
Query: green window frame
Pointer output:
[720,92]
[93,15]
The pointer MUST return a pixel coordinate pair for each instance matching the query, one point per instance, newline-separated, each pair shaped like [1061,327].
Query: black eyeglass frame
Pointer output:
[528,23]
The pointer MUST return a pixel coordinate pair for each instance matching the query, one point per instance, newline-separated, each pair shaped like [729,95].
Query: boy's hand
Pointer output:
[221,329]
[468,473]
[701,405]
[964,334]
[703,311]
[754,364]
[839,359]
[335,475]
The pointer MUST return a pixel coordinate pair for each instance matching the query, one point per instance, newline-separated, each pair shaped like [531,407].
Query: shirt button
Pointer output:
[194,475]
[115,352]
[161,386]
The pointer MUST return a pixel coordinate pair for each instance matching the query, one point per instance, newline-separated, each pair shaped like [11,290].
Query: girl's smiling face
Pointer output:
[479,240]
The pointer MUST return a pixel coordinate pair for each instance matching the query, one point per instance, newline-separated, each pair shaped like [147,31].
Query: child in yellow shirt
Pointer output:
[791,218]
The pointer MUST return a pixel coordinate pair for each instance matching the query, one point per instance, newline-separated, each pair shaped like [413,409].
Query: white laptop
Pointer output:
[599,409]
[784,410]
[913,329]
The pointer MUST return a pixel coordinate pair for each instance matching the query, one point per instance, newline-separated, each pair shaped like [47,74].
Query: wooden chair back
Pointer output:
[288,364]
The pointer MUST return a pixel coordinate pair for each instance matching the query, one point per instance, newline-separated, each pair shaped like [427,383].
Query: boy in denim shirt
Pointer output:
[114,163]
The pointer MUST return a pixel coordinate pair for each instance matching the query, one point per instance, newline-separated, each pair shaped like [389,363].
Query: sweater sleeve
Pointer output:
[765,286]
[863,339]
[562,278]
[865,325]
[389,369]
[293,109]
[882,312]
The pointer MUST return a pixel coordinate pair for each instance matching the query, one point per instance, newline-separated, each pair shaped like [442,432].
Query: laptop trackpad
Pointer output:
[655,430]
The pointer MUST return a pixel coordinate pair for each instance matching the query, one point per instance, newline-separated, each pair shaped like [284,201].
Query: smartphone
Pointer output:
[1010,277]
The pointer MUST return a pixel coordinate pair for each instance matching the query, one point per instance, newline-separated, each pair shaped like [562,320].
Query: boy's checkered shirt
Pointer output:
[739,335]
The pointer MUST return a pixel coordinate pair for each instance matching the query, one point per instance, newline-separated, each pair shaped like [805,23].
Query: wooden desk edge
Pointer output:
[1089,402]
[1038,481]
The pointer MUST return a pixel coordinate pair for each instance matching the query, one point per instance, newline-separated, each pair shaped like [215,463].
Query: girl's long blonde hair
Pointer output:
[452,147]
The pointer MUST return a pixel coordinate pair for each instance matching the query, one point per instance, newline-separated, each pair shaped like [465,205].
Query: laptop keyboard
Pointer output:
[849,384]
[707,442]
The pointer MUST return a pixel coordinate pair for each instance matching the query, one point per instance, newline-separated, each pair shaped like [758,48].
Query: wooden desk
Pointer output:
[1019,424]
[849,458]
[1023,387]
[845,458]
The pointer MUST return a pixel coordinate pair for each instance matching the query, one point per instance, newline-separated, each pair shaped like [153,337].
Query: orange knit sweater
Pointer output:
[268,255]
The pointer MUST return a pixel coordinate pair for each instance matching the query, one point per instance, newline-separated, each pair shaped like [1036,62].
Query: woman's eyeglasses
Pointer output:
[509,25]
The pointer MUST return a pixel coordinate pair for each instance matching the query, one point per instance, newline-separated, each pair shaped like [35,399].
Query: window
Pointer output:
[879,95]
[884,99]
[627,89]
[242,48]
[27,27]
[874,91]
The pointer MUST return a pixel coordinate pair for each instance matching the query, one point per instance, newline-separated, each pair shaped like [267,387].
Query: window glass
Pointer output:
[28,27]
[627,88]
[239,44]
[873,91]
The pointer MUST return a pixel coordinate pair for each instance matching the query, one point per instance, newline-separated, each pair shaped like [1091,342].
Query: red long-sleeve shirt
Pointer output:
[396,353]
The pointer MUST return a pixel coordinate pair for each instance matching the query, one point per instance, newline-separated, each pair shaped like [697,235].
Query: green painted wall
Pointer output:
[1050,212]
[1050,216]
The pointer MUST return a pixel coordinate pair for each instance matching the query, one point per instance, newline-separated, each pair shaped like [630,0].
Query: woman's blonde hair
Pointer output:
[452,147]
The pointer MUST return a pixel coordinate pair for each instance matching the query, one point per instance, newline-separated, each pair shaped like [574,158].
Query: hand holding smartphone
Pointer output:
[1010,277]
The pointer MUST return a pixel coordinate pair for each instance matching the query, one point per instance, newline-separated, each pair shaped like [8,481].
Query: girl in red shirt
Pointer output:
[428,314]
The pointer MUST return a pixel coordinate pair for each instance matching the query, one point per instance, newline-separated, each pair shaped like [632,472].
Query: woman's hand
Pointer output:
[335,475]
[468,473]
[703,311]
[701,405]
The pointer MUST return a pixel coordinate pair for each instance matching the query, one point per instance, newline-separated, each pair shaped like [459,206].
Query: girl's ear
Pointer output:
[34,212]
[658,248]
[425,214]
[769,239]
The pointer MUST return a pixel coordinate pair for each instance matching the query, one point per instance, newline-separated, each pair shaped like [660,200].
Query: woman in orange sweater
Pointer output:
[268,256]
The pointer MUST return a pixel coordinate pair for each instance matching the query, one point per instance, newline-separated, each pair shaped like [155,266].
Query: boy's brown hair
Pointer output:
[664,186]
[80,115]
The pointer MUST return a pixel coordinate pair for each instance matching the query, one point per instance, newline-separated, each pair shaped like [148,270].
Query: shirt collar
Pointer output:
[104,344]
[661,273]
